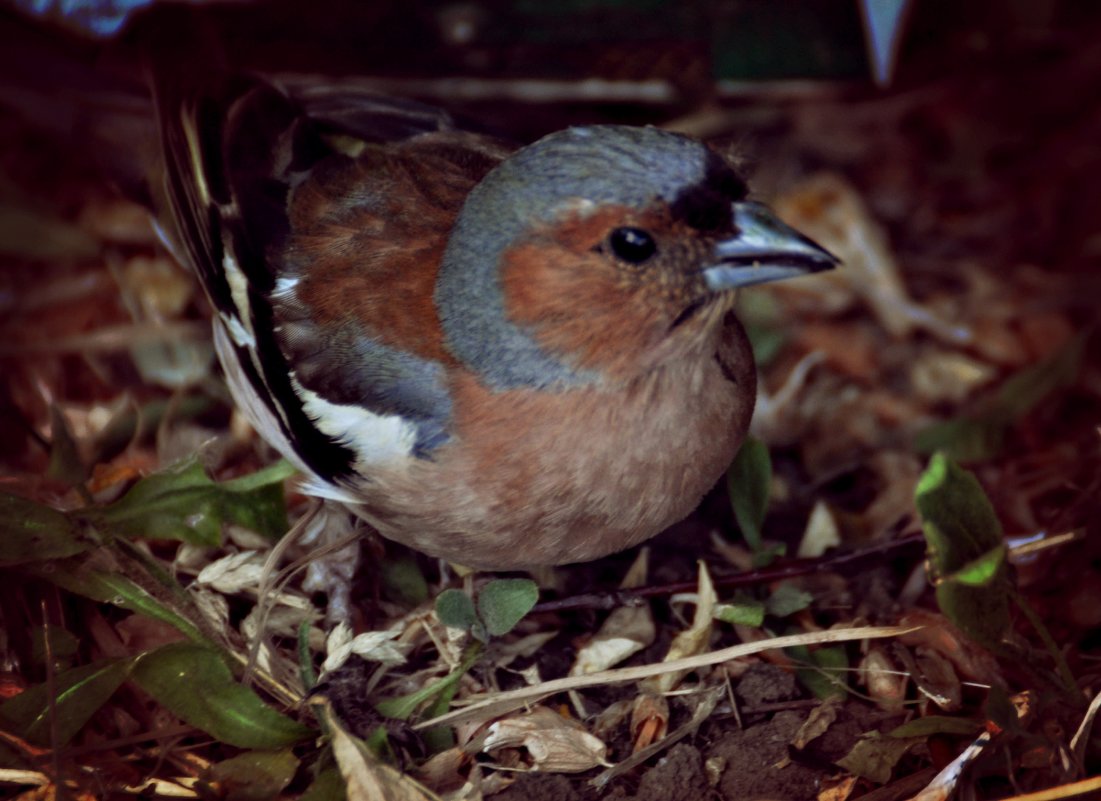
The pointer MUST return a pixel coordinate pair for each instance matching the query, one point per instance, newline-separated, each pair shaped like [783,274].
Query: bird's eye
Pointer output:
[632,244]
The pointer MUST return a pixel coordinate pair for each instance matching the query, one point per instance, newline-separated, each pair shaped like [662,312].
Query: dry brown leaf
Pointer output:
[553,743]
[830,210]
[443,772]
[625,632]
[638,571]
[24,777]
[837,789]
[937,680]
[996,341]
[875,756]
[649,720]
[937,634]
[817,723]
[885,682]
[706,702]
[611,718]
[692,641]
[365,777]
[948,377]
[821,533]
[118,221]
[850,349]
[140,633]
[233,573]
[384,647]
[1045,334]
[1081,736]
[898,473]
[158,286]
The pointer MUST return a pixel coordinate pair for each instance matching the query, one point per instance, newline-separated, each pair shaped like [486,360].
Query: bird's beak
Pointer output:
[763,249]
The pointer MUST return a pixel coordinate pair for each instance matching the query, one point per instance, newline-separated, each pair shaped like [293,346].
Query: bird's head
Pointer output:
[596,252]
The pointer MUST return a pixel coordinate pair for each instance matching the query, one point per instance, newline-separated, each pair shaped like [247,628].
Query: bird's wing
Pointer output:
[316,223]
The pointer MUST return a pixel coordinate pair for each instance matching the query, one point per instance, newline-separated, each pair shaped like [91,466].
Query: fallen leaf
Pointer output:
[838,789]
[821,533]
[649,720]
[625,632]
[817,723]
[886,684]
[552,742]
[830,210]
[874,757]
[694,640]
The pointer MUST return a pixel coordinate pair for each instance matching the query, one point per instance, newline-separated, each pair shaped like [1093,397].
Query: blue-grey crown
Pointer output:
[601,164]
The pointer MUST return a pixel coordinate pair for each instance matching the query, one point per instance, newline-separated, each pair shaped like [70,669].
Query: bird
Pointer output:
[505,357]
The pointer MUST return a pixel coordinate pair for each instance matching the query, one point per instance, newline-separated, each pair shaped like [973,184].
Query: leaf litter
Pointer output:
[944,383]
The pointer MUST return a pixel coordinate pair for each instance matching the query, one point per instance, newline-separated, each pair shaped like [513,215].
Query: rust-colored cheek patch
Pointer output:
[577,305]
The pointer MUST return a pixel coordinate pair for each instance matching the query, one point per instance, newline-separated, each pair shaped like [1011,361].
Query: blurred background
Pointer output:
[949,152]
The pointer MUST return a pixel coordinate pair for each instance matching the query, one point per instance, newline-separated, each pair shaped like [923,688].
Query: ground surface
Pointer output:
[965,201]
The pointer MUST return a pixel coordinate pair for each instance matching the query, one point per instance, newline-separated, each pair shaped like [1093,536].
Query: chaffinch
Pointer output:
[504,357]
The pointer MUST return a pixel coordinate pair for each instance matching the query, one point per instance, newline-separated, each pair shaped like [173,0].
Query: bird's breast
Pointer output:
[541,477]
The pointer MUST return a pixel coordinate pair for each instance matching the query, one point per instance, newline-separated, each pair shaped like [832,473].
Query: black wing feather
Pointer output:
[232,157]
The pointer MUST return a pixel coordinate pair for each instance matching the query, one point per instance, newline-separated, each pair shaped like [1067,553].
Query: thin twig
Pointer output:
[501,703]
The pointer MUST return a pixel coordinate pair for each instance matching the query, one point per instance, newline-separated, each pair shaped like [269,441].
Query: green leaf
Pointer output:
[327,786]
[193,683]
[403,707]
[455,610]
[748,482]
[440,738]
[984,570]
[966,551]
[403,582]
[32,532]
[79,694]
[63,646]
[741,611]
[252,776]
[936,724]
[182,503]
[959,523]
[787,599]
[982,613]
[502,603]
[823,671]
[377,743]
[116,589]
[264,479]
[761,42]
